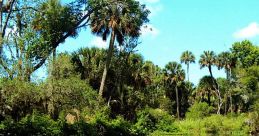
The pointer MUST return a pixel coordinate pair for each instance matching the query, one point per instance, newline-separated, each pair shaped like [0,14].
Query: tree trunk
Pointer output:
[107,64]
[215,85]
[54,70]
[226,104]
[209,97]
[188,72]
[220,101]
[210,72]
[177,102]
[231,104]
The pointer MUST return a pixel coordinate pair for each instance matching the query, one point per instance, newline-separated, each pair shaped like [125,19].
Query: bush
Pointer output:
[111,127]
[199,110]
[253,120]
[149,120]
[214,124]
[18,98]
[67,94]
[35,124]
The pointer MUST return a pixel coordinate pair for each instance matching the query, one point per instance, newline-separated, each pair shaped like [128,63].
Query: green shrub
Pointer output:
[164,121]
[102,124]
[162,133]
[35,124]
[215,125]
[199,110]
[67,94]
[19,98]
[78,128]
[149,120]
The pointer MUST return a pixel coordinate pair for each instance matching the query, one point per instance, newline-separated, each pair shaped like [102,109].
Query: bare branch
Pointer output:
[7,18]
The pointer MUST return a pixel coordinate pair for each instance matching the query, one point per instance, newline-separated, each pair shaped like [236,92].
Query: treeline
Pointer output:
[138,93]
[95,91]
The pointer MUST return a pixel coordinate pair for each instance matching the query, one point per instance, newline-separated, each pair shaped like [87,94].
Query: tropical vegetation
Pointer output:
[115,91]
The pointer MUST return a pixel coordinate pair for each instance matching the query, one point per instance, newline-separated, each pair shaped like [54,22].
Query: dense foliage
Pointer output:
[136,97]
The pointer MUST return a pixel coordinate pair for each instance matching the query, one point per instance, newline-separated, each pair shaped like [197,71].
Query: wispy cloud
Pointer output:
[250,31]
[149,30]
[98,42]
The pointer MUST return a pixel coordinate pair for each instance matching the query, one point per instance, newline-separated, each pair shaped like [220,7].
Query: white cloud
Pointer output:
[98,42]
[250,31]
[149,30]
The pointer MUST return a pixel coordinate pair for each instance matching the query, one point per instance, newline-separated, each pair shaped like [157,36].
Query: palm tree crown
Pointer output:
[207,59]
[187,58]
[226,61]
[125,17]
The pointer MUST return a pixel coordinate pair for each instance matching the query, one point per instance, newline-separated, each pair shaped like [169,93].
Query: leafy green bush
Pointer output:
[164,121]
[253,118]
[199,110]
[149,120]
[35,124]
[214,124]
[19,98]
[78,128]
[218,124]
[67,94]
[111,127]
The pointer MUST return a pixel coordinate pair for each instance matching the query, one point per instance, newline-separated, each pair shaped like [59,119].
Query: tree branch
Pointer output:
[7,18]
[55,45]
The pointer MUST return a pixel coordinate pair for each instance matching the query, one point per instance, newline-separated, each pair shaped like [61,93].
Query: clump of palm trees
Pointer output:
[117,19]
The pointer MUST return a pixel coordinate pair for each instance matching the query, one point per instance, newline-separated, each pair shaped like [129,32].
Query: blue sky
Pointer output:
[195,25]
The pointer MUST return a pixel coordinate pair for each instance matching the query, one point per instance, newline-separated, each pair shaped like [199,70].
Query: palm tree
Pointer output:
[88,62]
[175,76]
[204,88]
[208,59]
[225,60]
[119,18]
[187,58]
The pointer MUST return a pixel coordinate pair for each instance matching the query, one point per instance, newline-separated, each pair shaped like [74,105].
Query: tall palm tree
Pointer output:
[225,60]
[187,58]
[175,76]
[119,18]
[208,59]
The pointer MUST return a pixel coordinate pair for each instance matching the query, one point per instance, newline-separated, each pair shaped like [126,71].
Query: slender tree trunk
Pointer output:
[210,72]
[177,102]
[53,72]
[226,104]
[231,103]
[209,97]
[215,85]
[107,64]
[188,71]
